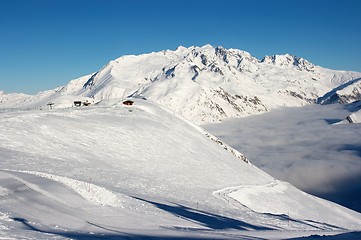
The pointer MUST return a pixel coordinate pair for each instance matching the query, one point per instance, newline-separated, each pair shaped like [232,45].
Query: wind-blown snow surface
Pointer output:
[304,146]
[203,84]
[138,172]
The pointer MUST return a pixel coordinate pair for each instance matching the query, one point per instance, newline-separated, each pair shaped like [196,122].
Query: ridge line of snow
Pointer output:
[228,148]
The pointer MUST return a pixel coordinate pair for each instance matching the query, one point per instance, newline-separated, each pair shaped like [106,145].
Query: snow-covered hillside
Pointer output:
[353,118]
[345,93]
[140,171]
[203,84]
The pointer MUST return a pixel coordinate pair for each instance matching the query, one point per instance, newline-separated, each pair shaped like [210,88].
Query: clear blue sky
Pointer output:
[46,43]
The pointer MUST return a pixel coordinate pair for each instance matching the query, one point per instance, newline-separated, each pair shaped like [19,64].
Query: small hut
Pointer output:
[128,102]
[77,103]
[50,105]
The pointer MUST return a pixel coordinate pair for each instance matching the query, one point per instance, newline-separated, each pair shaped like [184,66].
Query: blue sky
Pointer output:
[46,43]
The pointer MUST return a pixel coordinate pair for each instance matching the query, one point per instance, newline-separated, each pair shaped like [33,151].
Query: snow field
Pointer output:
[144,172]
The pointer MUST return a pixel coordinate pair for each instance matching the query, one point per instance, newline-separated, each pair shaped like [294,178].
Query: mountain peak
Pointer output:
[181,49]
[207,46]
[288,60]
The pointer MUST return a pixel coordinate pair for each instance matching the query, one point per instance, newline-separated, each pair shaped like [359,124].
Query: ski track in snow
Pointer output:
[93,193]
[226,192]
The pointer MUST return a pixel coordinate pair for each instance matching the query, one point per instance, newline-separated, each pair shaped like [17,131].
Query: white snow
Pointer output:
[92,193]
[356,117]
[352,118]
[267,199]
[141,171]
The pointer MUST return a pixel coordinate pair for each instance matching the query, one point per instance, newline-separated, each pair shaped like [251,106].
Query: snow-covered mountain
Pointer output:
[345,93]
[13,99]
[355,117]
[141,172]
[203,84]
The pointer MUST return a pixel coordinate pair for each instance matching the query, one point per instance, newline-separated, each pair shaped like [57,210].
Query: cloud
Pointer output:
[299,145]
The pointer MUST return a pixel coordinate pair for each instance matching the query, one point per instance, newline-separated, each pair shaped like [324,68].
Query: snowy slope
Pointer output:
[117,171]
[204,84]
[356,117]
[353,118]
[345,93]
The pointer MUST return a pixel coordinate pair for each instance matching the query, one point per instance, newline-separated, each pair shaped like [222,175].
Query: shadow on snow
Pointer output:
[123,235]
[208,221]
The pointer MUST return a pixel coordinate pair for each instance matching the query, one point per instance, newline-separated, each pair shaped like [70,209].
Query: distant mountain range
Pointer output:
[203,84]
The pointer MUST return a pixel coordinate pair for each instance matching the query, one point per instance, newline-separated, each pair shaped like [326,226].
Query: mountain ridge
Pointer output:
[204,84]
